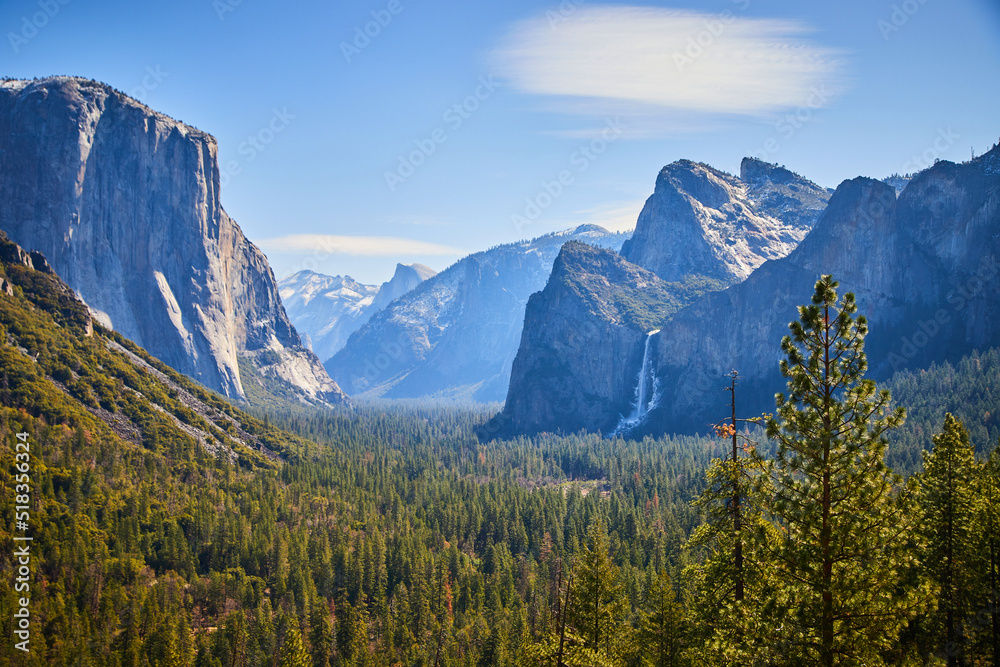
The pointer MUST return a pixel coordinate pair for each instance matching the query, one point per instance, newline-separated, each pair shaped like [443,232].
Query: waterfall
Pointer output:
[644,394]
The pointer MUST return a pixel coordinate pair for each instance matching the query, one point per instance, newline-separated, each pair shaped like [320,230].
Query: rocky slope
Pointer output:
[455,335]
[125,204]
[925,268]
[583,343]
[56,364]
[327,309]
[701,221]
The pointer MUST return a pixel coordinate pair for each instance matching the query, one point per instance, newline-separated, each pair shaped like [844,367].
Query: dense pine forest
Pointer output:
[171,528]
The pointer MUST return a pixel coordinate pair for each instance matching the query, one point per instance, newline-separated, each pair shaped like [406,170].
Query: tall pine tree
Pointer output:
[840,559]
[664,626]
[947,500]
[599,605]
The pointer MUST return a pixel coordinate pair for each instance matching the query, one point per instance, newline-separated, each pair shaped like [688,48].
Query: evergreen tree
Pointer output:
[664,628]
[731,576]
[947,500]
[729,630]
[840,559]
[988,542]
[599,606]
[321,634]
[293,653]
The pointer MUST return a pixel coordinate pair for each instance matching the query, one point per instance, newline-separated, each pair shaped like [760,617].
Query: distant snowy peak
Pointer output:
[406,277]
[302,288]
[327,309]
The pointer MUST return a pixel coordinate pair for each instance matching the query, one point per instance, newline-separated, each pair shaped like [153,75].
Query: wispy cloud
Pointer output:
[364,246]
[650,60]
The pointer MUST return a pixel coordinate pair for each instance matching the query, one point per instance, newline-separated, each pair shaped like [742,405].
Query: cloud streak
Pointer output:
[655,60]
[362,246]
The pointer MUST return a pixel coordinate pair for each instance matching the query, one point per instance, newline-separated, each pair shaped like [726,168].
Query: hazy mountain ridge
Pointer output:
[124,202]
[456,334]
[326,310]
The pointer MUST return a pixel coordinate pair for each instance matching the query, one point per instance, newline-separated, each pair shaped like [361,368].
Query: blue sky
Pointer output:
[452,127]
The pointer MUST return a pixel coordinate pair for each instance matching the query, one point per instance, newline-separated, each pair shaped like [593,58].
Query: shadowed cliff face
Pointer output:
[925,269]
[582,344]
[700,231]
[125,204]
[701,221]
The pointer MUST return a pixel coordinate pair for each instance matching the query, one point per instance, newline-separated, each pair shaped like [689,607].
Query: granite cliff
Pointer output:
[700,231]
[924,266]
[124,203]
[925,269]
[701,221]
[583,342]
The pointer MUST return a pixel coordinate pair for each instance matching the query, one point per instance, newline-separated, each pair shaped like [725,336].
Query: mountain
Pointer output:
[327,309]
[700,231]
[925,269]
[455,336]
[406,277]
[582,334]
[58,364]
[124,202]
[702,221]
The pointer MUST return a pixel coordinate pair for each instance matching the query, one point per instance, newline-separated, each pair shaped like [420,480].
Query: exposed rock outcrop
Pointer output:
[701,221]
[582,344]
[124,202]
[925,269]
[700,231]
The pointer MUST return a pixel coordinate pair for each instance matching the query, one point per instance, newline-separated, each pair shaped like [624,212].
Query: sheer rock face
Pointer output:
[582,344]
[124,202]
[701,230]
[455,335]
[925,269]
[701,221]
[924,266]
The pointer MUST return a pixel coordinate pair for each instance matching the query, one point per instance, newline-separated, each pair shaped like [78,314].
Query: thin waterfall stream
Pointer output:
[643,389]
